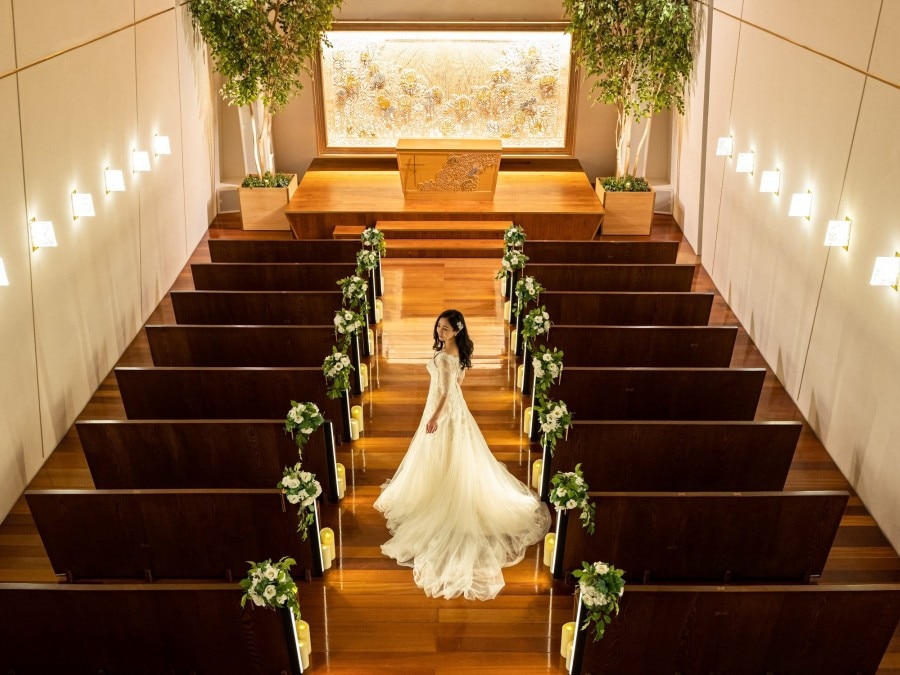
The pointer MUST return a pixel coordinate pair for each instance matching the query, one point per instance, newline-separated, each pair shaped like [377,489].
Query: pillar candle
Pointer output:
[570,649]
[304,657]
[326,539]
[364,375]
[354,429]
[356,412]
[342,480]
[536,470]
[379,311]
[506,310]
[566,640]
[526,420]
[549,550]
[370,335]
[520,376]
[303,638]
[327,558]
[513,340]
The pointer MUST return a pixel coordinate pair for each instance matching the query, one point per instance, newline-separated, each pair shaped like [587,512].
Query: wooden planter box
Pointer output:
[626,212]
[263,208]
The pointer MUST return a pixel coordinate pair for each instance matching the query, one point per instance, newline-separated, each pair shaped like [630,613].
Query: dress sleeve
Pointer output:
[447,372]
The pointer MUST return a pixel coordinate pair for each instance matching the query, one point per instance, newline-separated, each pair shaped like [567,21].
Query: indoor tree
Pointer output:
[640,53]
[261,47]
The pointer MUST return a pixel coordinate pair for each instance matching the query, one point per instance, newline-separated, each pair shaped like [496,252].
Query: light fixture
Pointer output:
[41,234]
[161,145]
[115,181]
[886,272]
[140,161]
[745,162]
[4,280]
[770,181]
[801,205]
[838,233]
[725,146]
[82,204]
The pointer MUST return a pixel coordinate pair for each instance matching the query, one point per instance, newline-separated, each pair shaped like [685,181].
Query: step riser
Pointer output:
[444,253]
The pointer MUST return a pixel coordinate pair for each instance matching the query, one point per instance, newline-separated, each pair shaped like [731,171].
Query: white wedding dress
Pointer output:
[456,514]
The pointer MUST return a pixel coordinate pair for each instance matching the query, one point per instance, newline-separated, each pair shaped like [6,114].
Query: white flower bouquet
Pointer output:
[270,585]
[554,420]
[301,488]
[354,289]
[570,491]
[535,324]
[347,323]
[548,366]
[514,237]
[373,238]
[301,421]
[366,261]
[528,290]
[337,368]
[600,586]
[513,260]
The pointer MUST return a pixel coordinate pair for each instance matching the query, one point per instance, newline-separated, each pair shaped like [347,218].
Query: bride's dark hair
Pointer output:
[463,341]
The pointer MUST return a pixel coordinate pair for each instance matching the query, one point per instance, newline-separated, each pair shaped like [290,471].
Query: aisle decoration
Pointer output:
[301,421]
[554,420]
[373,238]
[570,491]
[528,290]
[535,324]
[600,585]
[354,291]
[337,369]
[366,261]
[347,323]
[270,585]
[514,237]
[301,487]
[548,367]
[513,261]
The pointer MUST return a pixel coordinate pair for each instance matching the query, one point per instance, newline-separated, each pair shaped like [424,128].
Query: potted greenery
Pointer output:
[262,200]
[260,48]
[640,53]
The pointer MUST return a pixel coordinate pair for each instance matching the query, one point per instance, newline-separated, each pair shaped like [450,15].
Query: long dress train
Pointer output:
[456,514]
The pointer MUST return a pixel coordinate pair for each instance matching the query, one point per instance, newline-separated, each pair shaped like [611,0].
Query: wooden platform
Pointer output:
[551,198]
[436,238]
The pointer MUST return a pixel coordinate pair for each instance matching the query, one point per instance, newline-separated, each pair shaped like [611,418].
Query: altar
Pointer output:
[551,198]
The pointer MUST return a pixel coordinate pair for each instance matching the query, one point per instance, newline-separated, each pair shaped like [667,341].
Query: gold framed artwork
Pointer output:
[378,83]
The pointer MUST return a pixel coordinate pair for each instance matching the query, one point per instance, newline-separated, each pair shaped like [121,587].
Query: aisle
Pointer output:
[370,617]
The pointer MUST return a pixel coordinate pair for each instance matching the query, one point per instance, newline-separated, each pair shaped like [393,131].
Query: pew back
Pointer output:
[269,276]
[283,250]
[623,277]
[627,309]
[601,252]
[305,308]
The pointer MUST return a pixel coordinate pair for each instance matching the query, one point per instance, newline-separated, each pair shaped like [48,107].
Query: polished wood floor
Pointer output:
[367,615]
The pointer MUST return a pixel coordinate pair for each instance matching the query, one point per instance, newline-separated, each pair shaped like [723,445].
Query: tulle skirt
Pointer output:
[456,514]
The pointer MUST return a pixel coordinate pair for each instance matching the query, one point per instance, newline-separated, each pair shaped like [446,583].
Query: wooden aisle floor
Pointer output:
[367,615]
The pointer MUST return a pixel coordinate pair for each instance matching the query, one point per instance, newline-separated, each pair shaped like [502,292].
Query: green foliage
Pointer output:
[261,47]
[625,184]
[267,180]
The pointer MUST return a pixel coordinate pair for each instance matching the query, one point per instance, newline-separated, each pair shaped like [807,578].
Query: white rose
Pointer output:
[545,427]
[270,592]
[293,499]
[601,568]
[560,492]
[281,599]
[580,481]
[257,600]
[308,501]
[305,476]
[603,600]
[547,356]
[571,504]
[306,430]
[271,573]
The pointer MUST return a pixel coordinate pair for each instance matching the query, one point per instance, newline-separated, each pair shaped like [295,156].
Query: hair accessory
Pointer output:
[459,325]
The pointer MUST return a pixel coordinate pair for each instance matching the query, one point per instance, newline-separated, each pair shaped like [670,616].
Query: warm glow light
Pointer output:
[161,145]
[886,272]
[115,181]
[41,234]
[838,233]
[770,181]
[745,162]
[4,280]
[140,161]
[801,205]
[82,204]
[725,146]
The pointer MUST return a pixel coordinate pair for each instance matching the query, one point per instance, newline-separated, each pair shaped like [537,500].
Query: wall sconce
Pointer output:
[140,161]
[886,272]
[42,234]
[770,181]
[115,181]
[838,233]
[725,146]
[4,280]
[745,162]
[82,204]
[801,205]
[161,146]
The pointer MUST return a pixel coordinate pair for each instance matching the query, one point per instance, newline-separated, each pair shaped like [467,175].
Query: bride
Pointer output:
[456,514]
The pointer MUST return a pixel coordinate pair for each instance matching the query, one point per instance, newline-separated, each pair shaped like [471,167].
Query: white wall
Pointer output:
[89,82]
[794,83]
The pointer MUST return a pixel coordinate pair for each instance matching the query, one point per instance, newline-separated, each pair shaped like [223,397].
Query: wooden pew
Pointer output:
[621,278]
[185,454]
[660,393]
[600,252]
[704,536]
[298,308]
[744,630]
[227,393]
[283,250]
[169,534]
[269,276]
[140,629]
[677,456]
[575,308]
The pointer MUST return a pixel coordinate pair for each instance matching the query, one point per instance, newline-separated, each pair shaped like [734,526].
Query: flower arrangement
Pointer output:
[301,487]
[548,366]
[366,261]
[270,585]
[601,585]
[302,420]
[373,238]
[535,324]
[337,369]
[528,290]
[554,420]
[570,491]
[347,323]
[514,237]
[353,289]
[513,260]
